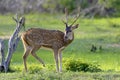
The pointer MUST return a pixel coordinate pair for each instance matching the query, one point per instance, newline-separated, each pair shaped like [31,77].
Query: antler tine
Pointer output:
[64,22]
[66,17]
[77,16]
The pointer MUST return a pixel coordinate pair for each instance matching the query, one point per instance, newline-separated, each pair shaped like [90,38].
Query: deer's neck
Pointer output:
[67,42]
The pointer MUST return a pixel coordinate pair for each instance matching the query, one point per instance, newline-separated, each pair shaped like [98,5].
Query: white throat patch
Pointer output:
[70,36]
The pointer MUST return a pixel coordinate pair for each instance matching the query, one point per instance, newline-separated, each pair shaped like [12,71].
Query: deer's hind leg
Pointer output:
[33,52]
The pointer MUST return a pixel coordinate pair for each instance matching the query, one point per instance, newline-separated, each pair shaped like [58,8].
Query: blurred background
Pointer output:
[88,7]
[97,40]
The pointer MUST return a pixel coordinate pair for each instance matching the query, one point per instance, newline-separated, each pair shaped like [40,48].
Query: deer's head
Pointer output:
[69,35]
[69,32]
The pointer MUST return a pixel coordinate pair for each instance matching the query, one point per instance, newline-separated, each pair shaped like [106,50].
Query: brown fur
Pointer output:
[44,38]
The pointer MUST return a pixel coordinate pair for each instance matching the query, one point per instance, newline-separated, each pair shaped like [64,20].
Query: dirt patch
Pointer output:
[113,45]
[4,37]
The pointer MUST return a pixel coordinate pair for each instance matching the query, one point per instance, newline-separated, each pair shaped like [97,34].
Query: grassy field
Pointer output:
[99,32]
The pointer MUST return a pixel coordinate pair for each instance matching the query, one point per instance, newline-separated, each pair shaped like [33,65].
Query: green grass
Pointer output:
[51,75]
[100,32]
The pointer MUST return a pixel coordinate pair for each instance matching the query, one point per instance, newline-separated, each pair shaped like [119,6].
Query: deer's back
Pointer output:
[43,37]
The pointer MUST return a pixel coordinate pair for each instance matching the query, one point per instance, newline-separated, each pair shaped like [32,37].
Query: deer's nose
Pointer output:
[66,37]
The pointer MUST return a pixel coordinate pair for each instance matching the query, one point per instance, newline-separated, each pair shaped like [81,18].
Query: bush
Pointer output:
[77,65]
[33,68]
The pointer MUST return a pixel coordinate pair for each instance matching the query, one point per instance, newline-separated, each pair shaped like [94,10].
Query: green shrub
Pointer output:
[73,4]
[34,68]
[77,65]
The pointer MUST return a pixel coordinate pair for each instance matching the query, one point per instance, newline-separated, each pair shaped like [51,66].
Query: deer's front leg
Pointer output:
[56,59]
[60,59]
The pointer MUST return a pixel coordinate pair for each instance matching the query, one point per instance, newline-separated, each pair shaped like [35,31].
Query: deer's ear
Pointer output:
[75,26]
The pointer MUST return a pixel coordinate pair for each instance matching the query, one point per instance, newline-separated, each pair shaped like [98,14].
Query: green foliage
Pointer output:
[34,68]
[77,65]
[70,4]
[116,4]
[113,4]
[73,4]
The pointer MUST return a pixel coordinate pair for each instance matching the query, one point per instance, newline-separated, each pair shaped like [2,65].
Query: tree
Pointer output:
[12,44]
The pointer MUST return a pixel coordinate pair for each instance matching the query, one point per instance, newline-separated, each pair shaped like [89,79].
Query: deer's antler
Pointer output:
[76,17]
[66,17]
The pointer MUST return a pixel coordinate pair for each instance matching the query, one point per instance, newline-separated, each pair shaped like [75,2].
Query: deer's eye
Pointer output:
[68,31]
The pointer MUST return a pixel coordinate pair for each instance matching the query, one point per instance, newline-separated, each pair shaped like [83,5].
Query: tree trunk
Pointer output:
[12,45]
[2,55]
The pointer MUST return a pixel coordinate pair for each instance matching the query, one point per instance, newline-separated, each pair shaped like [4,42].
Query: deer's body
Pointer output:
[56,40]
[35,38]
[53,39]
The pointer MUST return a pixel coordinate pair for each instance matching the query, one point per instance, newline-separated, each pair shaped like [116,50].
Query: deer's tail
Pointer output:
[24,40]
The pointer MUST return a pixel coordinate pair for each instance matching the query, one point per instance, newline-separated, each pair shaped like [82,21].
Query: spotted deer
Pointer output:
[35,38]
